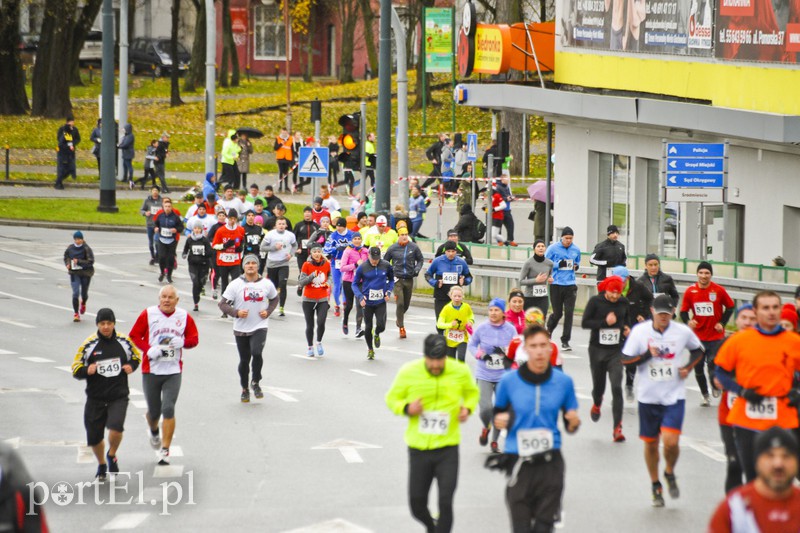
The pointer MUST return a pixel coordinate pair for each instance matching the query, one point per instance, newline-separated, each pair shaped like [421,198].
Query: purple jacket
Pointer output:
[487,337]
[350,259]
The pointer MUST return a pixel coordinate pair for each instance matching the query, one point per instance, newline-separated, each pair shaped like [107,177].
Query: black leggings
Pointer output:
[349,298]
[607,360]
[251,346]
[733,475]
[458,352]
[423,467]
[226,274]
[278,277]
[166,257]
[198,273]
[321,308]
[379,312]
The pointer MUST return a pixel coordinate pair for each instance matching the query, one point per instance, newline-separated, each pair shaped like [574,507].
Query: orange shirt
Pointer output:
[767,364]
[772,516]
[318,288]
[232,242]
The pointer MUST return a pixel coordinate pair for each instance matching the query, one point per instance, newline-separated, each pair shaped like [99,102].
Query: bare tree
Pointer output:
[347,11]
[196,73]
[13,100]
[510,12]
[229,53]
[368,16]
[50,84]
[83,24]
[308,75]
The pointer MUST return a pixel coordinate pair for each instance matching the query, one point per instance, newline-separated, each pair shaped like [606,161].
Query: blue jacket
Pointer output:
[336,245]
[126,143]
[505,192]
[416,204]
[442,265]
[369,279]
[563,273]
[209,188]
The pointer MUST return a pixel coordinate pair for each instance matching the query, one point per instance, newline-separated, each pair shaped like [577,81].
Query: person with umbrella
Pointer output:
[243,162]
[538,193]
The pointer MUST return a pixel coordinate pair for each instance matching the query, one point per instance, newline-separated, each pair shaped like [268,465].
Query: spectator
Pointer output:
[96,138]
[284,154]
[228,155]
[127,150]
[160,161]
[243,162]
[434,155]
[68,138]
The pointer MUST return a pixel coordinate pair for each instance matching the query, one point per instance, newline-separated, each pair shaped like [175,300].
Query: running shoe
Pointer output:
[161,277]
[495,447]
[618,436]
[402,333]
[512,243]
[658,495]
[214,294]
[130,184]
[594,414]
[259,394]
[102,473]
[629,394]
[715,392]
[310,351]
[196,308]
[377,340]
[76,317]
[280,311]
[565,347]
[371,355]
[155,440]
[672,486]
[483,440]
[359,333]
[706,401]
[83,308]
[169,279]
[345,329]
[245,396]
[152,262]
[320,350]
[163,456]
[113,465]
[223,315]
[336,311]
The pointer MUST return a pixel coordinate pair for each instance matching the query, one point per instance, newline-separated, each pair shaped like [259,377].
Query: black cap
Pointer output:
[105,315]
[435,346]
[567,231]
[775,437]
[233,213]
[705,265]
[318,200]
[375,253]
[663,304]
[450,245]
[341,222]
[452,232]
[258,202]
[268,188]
[612,229]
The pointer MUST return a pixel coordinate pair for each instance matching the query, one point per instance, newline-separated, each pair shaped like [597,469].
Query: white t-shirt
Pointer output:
[331,204]
[233,203]
[207,221]
[657,381]
[253,297]
[279,257]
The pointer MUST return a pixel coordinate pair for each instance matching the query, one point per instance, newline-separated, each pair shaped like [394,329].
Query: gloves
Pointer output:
[486,357]
[499,351]
[468,328]
[752,396]
[217,247]
[183,256]
[154,352]
[507,363]
[562,263]
[176,343]
[341,246]
[794,397]
[504,462]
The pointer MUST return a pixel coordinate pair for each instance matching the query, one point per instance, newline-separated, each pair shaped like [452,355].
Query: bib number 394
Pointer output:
[766,410]
[534,441]
[108,368]
[539,291]
[434,422]
[661,371]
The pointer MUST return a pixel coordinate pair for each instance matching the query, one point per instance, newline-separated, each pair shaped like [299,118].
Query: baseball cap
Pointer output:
[452,232]
[375,252]
[663,304]
[380,221]
[341,223]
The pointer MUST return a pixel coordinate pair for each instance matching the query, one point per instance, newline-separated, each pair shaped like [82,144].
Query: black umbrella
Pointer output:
[252,133]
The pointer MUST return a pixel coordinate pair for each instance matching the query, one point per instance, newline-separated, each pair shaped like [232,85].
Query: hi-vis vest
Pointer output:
[284,150]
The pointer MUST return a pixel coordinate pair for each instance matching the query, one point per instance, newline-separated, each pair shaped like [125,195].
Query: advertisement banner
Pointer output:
[492,49]
[678,27]
[438,39]
[758,30]
[239,25]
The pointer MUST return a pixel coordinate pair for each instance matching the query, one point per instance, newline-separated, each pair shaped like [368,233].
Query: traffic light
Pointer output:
[350,141]
[503,147]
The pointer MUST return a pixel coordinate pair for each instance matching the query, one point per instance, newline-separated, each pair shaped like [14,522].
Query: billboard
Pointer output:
[438,39]
[758,30]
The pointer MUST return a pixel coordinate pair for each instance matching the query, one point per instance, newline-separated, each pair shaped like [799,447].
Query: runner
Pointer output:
[222,219]
[488,344]
[354,256]
[317,211]
[334,248]
[79,260]
[457,321]
[606,315]
[199,253]
[280,245]
[253,234]
[406,260]
[104,360]
[515,314]
[655,347]
[759,365]
[372,285]
[711,309]
[228,241]
[609,253]
[566,258]
[639,300]
[206,221]
[437,395]
[770,502]
[168,227]
[533,317]
[534,277]
[151,206]
[656,281]
[303,231]
[462,251]
[383,237]
[528,404]
[444,272]
[230,201]
[250,300]
[315,280]
[162,333]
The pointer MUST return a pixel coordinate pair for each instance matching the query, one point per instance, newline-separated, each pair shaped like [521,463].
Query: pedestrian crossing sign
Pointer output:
[472,146]
[313,162]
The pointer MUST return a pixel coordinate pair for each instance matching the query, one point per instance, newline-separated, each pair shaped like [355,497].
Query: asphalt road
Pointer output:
[319,453]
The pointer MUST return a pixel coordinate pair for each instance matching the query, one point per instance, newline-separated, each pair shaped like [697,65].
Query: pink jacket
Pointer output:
[350,259]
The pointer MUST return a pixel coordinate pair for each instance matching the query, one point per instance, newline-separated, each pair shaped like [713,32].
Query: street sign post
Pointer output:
[472,147]
[695,194]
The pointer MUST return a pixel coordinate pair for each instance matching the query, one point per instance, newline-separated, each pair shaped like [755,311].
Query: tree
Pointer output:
[420,6]
[510,12]
[196,74]
[13,99]
[369,35]
[308,75]
[175,90]
[229,53]
[50,83]
[82,26]
[347,11]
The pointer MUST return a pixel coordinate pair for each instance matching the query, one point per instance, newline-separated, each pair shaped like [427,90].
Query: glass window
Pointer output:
[613,195]
[269,34]
[655,210]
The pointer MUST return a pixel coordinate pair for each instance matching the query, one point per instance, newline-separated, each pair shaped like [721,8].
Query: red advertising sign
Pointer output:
[239,20]
[736,8]
[793,37]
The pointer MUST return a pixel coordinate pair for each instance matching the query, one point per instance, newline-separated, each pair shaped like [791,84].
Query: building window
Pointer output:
[656,209]
[614,180]
[269,34]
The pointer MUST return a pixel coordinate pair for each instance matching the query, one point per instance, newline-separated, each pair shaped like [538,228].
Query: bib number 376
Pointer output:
[434,422]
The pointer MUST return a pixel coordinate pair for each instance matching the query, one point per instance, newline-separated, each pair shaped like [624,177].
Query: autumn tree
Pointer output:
[51,76]
[368,16]
[175,90]
[347,11]
[230,56]
[13,99]
[196,74]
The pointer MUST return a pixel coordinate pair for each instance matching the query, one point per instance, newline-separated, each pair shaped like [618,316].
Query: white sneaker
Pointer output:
[155,440]
[162,456]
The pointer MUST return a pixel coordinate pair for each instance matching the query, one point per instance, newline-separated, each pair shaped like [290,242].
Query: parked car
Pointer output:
[92,51]
[153,55]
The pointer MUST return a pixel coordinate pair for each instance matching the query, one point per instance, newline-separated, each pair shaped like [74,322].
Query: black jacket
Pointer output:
[608,254]
[162,149]
[434,152]
[594,317]
[98,348]
[406,260]
[253,236]
[640,299]
[198,252]
[303,231]
[662,283]
[466,226]
[68,137]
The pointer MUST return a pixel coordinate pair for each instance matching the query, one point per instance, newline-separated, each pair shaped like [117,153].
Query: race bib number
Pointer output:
[434,422]
[166,232]
[534,441]
[228,257]
[449,278]
[338,264]
[153,210]
[539,291]
[304,243]
[704,309]
[455,335]
[661,370]
[731,399]
[262,255]
[375,294]
[168,353]
[253,239]
[766,410]
[568,265]
[75,265]
[609,336]
[412,214]
[108,368]
[496,362]
[198,250]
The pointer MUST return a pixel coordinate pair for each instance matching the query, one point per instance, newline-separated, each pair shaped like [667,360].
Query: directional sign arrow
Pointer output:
[673,163]
[672,179]
[348,449]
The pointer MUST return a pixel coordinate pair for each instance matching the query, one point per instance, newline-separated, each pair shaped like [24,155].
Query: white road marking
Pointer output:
[175,451]
[37,359]
[560,524]
[6,352]
[31,279]
[357,371]
[125,521]
[305,357]
[106,268]
[139,404]
[348,449]
[134,392]
[14,442]
[162,471]
[85,455]
[14,268]
[18,324]
[705,448]
[583,396]
[568,356]
[55,266]
[48,304]
[282,396]
[331,526]
[64,368]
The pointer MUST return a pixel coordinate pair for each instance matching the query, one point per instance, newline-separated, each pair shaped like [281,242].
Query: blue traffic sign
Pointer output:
[695,150]
[709,180]
[313,162]
[695,164]
[472,146]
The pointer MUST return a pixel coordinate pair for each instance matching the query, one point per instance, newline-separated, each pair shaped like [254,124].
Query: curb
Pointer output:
[49,184]
[70,225]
